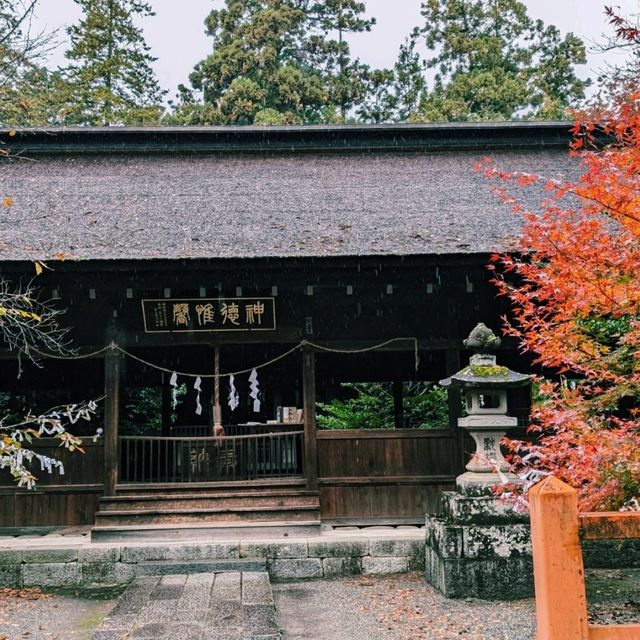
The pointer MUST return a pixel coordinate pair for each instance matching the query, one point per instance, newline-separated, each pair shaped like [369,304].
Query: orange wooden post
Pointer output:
[561,600]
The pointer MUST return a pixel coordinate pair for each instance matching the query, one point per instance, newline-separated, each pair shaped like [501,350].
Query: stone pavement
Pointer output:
[203,606]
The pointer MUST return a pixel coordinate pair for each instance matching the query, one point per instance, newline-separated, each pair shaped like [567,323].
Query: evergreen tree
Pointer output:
[111,78]
[278,62]
[492,61]
[395,94]
[347,80]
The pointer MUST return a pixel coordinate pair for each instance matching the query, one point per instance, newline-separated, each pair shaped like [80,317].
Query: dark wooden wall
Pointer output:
[70,499]
[393,474]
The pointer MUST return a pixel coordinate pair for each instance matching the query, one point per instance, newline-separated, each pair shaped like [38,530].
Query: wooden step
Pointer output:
[176,488]
[265,498]
[232,514]
[206,531]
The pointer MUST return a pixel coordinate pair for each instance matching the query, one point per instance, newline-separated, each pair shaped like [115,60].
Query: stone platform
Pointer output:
[75,561]
[201,606]
[478,546]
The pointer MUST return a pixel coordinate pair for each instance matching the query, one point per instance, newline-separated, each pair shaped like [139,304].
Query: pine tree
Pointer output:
[492,61]
[278,62]
[111,75]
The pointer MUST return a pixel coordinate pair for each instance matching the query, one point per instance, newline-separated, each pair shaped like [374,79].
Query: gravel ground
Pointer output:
[405,607]
[28,614]
[402,607]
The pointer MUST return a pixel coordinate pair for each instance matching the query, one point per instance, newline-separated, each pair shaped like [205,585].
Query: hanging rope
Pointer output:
[304,343]
[56,356]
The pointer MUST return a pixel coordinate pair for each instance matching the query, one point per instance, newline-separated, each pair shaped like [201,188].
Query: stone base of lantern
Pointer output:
[477,546]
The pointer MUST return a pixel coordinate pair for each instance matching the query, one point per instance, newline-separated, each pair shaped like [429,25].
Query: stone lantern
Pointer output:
[477,545]
[485,385]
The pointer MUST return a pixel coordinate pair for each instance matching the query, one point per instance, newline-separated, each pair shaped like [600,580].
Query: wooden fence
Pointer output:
[69,499]
[396,474]
[556,530]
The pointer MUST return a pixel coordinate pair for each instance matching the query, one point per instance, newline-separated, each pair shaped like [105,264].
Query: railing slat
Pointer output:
[149,459]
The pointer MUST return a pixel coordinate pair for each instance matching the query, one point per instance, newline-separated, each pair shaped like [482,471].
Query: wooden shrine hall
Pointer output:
[220,284]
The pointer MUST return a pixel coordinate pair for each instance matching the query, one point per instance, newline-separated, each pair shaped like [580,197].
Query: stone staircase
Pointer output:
[174,512]
[202,606]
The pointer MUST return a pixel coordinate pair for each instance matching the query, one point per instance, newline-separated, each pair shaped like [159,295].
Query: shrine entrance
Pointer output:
[211,435]
[211,413]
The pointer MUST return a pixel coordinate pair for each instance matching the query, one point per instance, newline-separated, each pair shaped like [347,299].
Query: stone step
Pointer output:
[173,567]
[265,498]
[203,606]
[198,515]
[207,531]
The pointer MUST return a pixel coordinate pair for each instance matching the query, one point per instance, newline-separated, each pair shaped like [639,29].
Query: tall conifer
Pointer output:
[111,76]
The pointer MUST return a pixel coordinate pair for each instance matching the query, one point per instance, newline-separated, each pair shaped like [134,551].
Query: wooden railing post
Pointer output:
[112,361]
[561,601]
[309,401]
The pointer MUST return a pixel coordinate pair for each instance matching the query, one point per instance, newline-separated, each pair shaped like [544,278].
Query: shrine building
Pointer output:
[223,285]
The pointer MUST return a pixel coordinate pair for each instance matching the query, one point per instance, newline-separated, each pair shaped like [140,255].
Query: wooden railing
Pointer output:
[146,459]
[556,530]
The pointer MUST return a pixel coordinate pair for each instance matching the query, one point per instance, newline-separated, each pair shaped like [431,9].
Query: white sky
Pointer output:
[176,32]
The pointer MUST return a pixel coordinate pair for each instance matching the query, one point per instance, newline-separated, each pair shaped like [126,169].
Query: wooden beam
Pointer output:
[384,434]
[165,409]
[454,403]
[112,366]
[612,525]
[309,403]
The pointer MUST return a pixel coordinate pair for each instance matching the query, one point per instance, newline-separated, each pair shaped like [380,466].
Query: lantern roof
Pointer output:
[483,372]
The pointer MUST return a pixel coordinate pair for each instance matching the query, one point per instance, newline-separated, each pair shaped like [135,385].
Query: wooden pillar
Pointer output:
[398,408]
[309,402]
[561,602]
[454,403]
[166,405]
[112,365]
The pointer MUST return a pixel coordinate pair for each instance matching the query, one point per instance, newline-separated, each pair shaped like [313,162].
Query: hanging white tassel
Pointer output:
[255,390]
[234,397]
[173,381]
[197,385]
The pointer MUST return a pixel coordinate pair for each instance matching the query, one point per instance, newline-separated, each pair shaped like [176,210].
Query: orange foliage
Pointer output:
[575,289]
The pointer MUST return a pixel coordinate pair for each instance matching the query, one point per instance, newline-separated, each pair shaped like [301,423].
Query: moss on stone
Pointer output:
[487,371]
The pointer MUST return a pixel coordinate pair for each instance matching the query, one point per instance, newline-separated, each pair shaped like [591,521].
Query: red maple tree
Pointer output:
[575,288]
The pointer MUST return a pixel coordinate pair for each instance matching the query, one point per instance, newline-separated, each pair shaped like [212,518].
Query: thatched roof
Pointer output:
[137,198]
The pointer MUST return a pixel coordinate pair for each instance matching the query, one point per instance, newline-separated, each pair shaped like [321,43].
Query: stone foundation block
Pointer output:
[107,573]
[339,549]
[488,579]
[478,510]
[10,556]
[51,575]
[338,567]
[49,556]
[497,541]
[10,575]
[274,549]
[99,554]
[394,547]
[611,554]
[446,538]
[383,566]
[292,569]
[184,553]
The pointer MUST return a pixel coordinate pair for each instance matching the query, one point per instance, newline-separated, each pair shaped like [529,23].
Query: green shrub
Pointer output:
[370,406]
